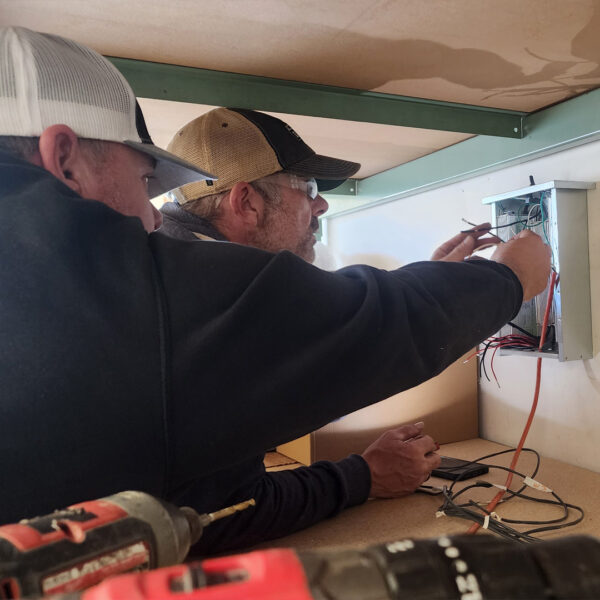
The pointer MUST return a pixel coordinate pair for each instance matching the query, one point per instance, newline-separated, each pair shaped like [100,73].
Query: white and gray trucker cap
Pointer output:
[47,80]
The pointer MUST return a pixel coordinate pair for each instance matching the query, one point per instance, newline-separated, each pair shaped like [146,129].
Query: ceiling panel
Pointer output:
[510,54]
[515,54]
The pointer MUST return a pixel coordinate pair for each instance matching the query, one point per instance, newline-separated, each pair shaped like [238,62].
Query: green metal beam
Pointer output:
[187,84]
[348,188]
[565,125]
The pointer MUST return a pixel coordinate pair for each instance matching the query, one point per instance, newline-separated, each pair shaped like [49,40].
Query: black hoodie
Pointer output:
[136,361]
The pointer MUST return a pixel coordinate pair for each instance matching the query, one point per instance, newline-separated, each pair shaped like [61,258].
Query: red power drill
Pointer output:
[71,549]
[447,568]
[75,548]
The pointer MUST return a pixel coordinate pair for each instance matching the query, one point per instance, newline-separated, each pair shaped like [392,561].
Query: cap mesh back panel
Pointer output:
[227,144]
[59,81]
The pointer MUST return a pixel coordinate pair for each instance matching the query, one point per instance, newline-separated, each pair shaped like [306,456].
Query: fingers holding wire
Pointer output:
[482,229]
[463,244]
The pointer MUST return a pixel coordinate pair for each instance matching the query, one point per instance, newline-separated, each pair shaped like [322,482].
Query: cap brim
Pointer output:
[170,171]
[328,171]
[325,185]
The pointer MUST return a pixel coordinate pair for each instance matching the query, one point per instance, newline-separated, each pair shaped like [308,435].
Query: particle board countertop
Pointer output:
[414,516]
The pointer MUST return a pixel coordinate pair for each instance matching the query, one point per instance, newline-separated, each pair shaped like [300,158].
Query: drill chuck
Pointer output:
[197,523]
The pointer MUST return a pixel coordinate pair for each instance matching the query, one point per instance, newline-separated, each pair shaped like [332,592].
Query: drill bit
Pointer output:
[197,522]
[208,518]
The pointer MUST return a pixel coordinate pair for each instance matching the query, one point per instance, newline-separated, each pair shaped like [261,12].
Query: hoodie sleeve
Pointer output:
[286,501]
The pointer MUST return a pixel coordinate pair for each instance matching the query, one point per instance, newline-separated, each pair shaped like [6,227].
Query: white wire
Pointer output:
[529,223]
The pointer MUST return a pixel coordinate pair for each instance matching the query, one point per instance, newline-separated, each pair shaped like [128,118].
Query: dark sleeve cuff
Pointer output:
[509,272]
[357,478]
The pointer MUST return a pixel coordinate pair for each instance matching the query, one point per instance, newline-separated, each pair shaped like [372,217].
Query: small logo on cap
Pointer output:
[292,131]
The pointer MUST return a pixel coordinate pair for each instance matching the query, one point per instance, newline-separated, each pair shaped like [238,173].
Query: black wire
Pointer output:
[562,525]
[478,461]
[535,470]
[500,527]
[524,331]
[499,342]
[454,510]
[518,346]
[496,227]
[451,508]
[500,453]
[482,361]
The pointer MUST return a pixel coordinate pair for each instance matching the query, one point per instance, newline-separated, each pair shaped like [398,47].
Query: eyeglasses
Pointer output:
[306,185]
[312,190]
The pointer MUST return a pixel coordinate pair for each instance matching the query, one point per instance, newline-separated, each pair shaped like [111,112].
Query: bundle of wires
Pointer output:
[529,216]
[516,341]
[483,517]
[538,379]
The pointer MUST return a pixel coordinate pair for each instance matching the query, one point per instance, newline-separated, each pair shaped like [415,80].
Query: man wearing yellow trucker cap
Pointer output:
[279,210]
[267,197]
[117,347]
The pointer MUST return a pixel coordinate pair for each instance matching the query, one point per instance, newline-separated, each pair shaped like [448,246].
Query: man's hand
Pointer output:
[400,461]
[461,246]
[529,259]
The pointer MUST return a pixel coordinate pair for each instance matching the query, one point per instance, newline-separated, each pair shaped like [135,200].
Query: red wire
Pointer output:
[492,505]
[492,364]
[508,340]
[472,356]
[512,343]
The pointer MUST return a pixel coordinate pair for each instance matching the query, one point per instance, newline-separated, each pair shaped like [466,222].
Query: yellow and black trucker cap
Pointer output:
[244,145]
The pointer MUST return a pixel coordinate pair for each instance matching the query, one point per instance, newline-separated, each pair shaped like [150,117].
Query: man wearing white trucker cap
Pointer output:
[116,346]
[267,197]
[68,96]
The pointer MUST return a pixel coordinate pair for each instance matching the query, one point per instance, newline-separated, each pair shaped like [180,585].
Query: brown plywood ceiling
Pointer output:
[513,54]
[517,54]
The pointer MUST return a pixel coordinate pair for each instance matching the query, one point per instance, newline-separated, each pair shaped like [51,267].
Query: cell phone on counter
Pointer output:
[457,469]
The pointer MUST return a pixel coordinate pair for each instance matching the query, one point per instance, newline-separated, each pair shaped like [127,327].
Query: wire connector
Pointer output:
[536,485]
[492,515]
[500,487]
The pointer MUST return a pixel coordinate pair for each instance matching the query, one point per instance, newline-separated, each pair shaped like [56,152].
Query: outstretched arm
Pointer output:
[284,348]
[286,501]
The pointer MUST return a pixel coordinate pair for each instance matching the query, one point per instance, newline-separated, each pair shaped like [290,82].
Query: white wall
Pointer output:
[567,423]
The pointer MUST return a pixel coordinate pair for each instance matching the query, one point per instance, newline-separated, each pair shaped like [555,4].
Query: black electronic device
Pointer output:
[457,469]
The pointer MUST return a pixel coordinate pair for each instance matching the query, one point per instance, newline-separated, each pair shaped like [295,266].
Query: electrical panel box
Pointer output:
[557,212]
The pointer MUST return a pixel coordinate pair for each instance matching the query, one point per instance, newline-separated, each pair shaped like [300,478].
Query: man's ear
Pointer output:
[246,205]
[60,154]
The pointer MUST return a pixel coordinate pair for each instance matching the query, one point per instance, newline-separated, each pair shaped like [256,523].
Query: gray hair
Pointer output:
[269,189]
[26,147]
[207,207]
[21,147]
